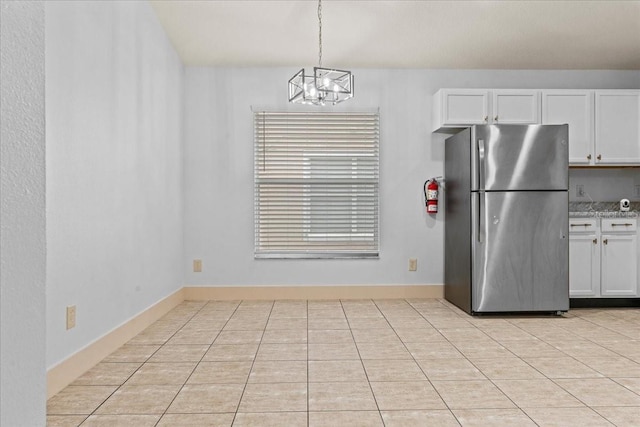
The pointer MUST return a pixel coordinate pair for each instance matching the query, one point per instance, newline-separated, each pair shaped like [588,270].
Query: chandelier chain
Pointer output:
[320,33]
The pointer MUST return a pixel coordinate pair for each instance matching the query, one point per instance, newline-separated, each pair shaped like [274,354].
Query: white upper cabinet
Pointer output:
[575,108]
[617,126]
[459,108]
[521,107]
[604,125]
[455,108]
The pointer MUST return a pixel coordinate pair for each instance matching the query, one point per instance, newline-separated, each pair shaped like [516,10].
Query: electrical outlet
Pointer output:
[71,316]
[197,266]
[580,190]
[413,264]
[638,191]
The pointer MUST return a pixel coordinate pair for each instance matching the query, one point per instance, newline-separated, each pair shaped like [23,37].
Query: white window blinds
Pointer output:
[316,185]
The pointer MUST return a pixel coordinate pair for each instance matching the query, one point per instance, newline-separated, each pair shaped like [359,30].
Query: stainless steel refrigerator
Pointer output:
[506,218]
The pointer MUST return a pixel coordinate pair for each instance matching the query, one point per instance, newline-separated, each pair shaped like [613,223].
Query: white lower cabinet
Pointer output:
[603,258]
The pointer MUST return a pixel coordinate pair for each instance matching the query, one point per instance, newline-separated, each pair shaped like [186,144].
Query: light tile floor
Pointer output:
[416,362]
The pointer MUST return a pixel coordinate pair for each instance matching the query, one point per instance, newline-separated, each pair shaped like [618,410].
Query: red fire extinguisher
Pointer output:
[431,195]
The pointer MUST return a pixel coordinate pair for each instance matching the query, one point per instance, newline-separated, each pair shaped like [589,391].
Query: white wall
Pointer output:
[219,169]
[114,168]
[22,214]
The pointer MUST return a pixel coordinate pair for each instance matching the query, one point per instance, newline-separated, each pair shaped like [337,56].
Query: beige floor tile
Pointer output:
[429,334]
[330,336]
[207,398]
[433,350]
[239,337]
[508,333]
[507,368]
[246,324]
[464,335]
[121,421]
[372,350]
[179,353]
[393,370]
[162,373]
[342,396]
[221,373]
[341,351]
[632,384]
[132,353]
[450,369]
[271,419]
[287,324]
[492,417]
[562,367]
[139,399]
[487,349]
[335,312]
[327,323]
[567,417]
[65,420]
[584,349]
[600,392]
[621,416]
[186,337]
[409,395]
[383,336]
[369,323]
[107,373]
[196,420]
[282,352]
[532,348]
[474,394]
[284,336]
[231,352]
[345,418]
[452,321]
[76,400]
[539,393]
[281,397]
[404,322]
[279,371]
[431,418]
[149,338]
[336,371]
[613,366]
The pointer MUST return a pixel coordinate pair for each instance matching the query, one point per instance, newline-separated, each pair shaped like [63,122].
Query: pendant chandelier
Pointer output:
[325,85]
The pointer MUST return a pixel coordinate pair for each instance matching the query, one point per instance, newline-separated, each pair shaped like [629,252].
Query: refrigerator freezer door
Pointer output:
[520,157]
[520,251]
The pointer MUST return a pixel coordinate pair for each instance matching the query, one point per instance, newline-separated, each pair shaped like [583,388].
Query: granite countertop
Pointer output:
[602,210]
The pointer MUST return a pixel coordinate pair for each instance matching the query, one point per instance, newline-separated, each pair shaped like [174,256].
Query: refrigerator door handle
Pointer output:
[480,217]
[481,164]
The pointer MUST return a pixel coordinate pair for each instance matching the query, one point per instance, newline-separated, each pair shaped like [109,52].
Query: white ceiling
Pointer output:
[513,34]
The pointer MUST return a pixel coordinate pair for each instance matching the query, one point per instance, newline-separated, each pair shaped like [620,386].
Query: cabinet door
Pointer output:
[516,107]
[465,107]
[617,126]
[575,108]
[619,265]
[584,262]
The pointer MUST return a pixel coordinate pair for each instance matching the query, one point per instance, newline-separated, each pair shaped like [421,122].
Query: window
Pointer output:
[316,185]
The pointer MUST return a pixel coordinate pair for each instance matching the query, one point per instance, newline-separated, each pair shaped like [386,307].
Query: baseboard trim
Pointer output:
[64,373]
[312,292]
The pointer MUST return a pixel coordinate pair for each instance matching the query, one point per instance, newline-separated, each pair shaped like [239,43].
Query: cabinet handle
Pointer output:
[486,119]
[580,225]
[605,241]
[595,241]
[588,156]
[599,157]
[622,225]
[495,118]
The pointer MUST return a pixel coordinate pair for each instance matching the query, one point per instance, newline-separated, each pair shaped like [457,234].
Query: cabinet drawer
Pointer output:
[582,225]
[618,224]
